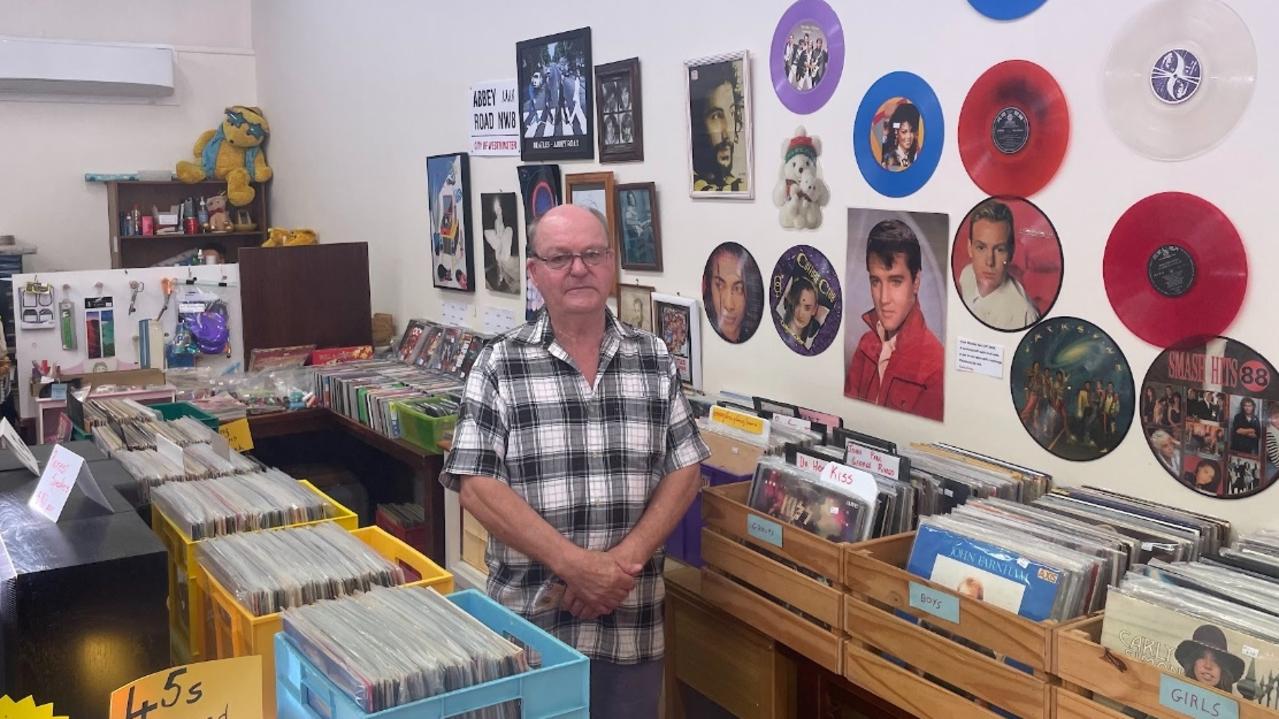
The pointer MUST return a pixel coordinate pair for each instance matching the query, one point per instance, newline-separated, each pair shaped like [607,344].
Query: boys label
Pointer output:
[1194,701]
[939,604]
[764,530]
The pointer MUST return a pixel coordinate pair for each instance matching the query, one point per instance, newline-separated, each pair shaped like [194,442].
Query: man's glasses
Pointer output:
[590,258]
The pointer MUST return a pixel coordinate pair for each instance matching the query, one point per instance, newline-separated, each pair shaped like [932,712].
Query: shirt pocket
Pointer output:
[903,394]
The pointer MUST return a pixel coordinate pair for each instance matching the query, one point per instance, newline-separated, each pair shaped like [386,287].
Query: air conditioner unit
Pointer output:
[65,67]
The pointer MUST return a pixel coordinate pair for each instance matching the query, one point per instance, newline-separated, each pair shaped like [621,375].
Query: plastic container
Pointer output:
[559,688]
[170,411]
[236,632]
[423,430]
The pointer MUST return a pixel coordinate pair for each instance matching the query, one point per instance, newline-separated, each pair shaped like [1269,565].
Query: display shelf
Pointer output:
[197,236]
[129,250]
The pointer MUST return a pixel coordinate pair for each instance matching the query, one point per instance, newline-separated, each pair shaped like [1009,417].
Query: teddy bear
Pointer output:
[232,152]
[219,218]
[801,192]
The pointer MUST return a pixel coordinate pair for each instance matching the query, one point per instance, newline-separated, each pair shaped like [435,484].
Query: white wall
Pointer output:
[46,147]
[385,85]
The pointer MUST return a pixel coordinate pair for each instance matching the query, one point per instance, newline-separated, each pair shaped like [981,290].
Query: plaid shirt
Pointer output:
[586,460]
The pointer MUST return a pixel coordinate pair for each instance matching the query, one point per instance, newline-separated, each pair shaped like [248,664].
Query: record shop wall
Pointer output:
[358,98]
[46,146]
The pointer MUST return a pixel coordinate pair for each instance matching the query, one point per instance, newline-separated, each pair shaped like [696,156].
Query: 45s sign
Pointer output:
[223,689]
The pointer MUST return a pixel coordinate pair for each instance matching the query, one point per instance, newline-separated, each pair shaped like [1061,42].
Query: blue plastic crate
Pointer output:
[558,689]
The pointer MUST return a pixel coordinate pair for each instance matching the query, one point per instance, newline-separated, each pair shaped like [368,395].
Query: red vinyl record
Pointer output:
[1175,269]
[1013,129]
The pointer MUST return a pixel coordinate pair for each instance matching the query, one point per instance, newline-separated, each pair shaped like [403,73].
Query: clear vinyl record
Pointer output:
[1179,77]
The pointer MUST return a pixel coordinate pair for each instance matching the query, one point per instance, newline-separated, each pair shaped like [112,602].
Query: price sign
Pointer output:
[223,689]
[64,471]
[238,434]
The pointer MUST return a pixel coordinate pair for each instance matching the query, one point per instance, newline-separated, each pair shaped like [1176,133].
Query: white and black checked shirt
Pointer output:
[586,459]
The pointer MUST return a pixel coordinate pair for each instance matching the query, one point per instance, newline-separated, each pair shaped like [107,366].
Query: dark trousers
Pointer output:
[625,691]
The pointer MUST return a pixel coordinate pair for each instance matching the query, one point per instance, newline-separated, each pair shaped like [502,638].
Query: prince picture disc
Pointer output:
[805,300]
[898,134]
[733,292]
[807,56]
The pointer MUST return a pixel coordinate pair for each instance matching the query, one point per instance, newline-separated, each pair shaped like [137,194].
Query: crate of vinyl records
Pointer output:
[251,578]
[411,653]
[187,513]
[1196,636]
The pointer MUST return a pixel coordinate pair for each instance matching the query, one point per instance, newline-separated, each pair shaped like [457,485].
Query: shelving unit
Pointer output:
[147,250]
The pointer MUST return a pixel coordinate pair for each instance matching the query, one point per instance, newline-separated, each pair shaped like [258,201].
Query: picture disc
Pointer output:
[1175,269]
[1210,413]
[1013,129]
[898,134]
[1058,368]
[805,301]
[1005,9]
[807,56]
[733,292]
[1179,77]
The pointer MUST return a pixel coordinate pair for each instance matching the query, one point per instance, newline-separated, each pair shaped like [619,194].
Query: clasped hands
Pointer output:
[597,582]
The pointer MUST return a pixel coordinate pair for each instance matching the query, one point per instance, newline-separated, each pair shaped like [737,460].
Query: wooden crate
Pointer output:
[754,587]
[1086,668]
[879,602]
[474,542]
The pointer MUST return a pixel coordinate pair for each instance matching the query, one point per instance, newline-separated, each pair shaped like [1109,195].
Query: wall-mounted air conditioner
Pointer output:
[63,67]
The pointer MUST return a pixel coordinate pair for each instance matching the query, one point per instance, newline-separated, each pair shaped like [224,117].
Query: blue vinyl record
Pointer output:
[898,134]
[1006,9]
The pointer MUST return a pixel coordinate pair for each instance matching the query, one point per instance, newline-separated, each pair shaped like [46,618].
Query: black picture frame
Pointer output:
[626,250]
[555,60]
[620,110]
[445,272]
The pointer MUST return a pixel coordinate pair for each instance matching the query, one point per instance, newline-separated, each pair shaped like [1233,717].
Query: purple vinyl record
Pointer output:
[805,301]
[807,56]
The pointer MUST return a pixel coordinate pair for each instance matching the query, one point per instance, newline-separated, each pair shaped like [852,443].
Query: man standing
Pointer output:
[1245,428]
[576,449]
[714,100]
[898,362]
[991,294]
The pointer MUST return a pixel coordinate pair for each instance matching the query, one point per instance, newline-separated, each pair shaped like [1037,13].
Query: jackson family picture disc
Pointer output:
[1013,129]
[733,292]
[807,56]
[1175,269]
[1072,388]
[1179,77]
[1210,414]
[898,134]
[805,301]
[1005,9]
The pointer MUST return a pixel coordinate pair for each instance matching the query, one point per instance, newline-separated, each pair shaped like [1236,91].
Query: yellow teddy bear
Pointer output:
[232,152]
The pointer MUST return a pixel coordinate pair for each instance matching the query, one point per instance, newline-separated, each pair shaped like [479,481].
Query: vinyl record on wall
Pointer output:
[805,300]
[807,56]
[898,134]
[733,292]
[1005,9]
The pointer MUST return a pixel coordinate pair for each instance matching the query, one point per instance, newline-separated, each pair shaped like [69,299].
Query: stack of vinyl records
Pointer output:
[389,647]
[803,498]
[133,434]
[223,407]
[100,412]
[433,346]
[949,476]
[151,469]
[365,391]
[272,571]
[238,503]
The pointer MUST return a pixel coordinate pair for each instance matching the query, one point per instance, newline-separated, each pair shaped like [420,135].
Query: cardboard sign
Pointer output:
[493,122]
[1188,699]
[740,421]
[881,463]
[11,439]
[765,530]
[238,434]
[64,471]
[855,480]
[938,604]
[222,689]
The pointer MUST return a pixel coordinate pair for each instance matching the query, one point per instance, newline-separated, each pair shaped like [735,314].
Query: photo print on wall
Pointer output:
[554,80]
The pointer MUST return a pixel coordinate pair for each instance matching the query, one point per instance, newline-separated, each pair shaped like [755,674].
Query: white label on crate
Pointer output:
[859,482]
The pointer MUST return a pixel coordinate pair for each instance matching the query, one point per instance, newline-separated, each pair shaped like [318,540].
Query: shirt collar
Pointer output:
[540,332]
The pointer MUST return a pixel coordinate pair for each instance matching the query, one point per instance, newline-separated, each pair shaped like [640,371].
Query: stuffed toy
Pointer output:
[281,237]
[801,192]
[233,152]
[219,218]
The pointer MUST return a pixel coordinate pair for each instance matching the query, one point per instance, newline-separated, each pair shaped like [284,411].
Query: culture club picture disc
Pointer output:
[1005,9]
[1175,269]
[1072,388]
[805,300]
[807,56]
[1180,75]
[1210,414]
[898,134]
[1014,127]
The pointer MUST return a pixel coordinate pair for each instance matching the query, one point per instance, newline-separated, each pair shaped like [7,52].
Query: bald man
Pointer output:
[576,449]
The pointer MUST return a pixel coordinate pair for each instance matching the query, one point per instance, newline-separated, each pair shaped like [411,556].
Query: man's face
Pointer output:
[1205,474]
[537,79]
[893,290]
[728,295]
[577,288]
[989,249]
[805,308]
[1166,448]
[721,126]
[905,135]
[1248,408]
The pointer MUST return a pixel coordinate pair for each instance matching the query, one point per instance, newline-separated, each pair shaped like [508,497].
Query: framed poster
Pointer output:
[554,81]
[619,111]
[594,190]
[639,230]
[720,132]
[635,306]
[677,321]
[540,189]
[502,265]
[449,198]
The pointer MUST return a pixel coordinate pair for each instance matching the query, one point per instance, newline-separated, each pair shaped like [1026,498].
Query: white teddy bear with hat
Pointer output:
[801,192]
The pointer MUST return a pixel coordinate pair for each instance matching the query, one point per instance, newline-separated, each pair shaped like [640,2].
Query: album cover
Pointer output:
[555,81]
[812,507]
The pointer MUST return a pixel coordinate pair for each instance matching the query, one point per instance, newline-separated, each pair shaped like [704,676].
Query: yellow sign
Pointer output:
[741,421]
[25,709]
[238,435]
[222,689]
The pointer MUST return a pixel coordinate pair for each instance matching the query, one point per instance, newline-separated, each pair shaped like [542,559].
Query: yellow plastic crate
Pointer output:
[236,632]
[187,612]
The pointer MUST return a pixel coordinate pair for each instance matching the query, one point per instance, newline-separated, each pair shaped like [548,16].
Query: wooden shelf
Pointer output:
[200,236]
[131,251]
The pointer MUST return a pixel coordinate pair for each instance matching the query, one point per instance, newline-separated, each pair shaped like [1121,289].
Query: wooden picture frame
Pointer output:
[637,216]
[619,111]
[704,79]
[596,191]
[448,188]
[632,299]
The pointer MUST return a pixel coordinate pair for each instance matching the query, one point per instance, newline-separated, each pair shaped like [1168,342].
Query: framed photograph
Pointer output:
[720,152]
[639,231]
[595,190]
[448,180]
[502,265]
[554,82]
[619,113]
[677,321]
[635,306]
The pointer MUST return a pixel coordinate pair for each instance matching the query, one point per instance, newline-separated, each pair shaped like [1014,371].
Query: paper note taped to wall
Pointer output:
[980,357]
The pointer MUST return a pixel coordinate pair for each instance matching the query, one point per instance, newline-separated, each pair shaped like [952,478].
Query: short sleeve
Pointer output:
[684,445]
[479,440]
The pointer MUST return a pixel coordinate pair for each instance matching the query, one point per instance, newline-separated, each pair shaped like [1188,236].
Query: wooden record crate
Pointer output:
[1087,668]
[898,659]
[753,587]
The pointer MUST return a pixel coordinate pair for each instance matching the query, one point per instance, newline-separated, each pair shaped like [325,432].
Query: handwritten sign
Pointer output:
[939,604]
[493,122]
[11,439]
[792,422]
[64,470]
[857,481]
[764,530]
[865,458]
[222,689]
[1195,701]
[740,421]
[238,434]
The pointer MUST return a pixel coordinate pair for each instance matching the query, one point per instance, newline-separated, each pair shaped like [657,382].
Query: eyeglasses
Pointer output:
[590,258]
[237,119]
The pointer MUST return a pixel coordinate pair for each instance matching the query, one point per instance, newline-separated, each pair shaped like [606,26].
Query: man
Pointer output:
[576,449]
[1206,477]
[898,362]
[725,292]
[991,294]
[714,100]
[1167,451]
[1245,429]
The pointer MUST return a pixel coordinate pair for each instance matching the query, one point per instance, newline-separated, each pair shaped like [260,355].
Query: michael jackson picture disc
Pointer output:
[804,299]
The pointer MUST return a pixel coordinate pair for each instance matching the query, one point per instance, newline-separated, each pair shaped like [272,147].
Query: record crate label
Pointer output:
[939,604]
[764,530]
[1195,701]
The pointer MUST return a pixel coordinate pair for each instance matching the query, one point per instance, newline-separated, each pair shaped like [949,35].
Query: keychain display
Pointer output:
[35,306]
[66,323]
[99,326]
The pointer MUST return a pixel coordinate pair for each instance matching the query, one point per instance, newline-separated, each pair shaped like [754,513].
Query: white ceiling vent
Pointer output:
[64,67]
